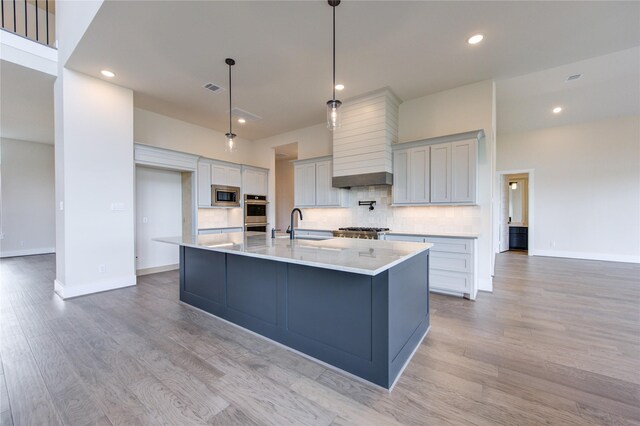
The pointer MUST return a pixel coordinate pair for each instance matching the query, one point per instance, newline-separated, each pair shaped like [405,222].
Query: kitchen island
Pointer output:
[358,305]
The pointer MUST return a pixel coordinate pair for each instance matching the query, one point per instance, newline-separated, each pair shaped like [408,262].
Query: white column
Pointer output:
[94,185]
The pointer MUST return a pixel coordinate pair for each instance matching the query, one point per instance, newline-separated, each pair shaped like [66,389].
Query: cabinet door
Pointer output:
[218,174]
[254,182]
[305,184]
[419,175]
[441,173]
[401,177]
[204,184]
[234,176]
[326,195]
[262,186]
[463,171]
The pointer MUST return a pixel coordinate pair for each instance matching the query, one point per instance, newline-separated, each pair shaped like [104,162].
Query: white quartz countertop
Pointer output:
[368,257]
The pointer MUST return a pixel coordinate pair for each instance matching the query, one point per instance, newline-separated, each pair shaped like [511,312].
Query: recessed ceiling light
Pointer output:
[108,74]
[339,86]
[475,39]
[557,110]
[241,120]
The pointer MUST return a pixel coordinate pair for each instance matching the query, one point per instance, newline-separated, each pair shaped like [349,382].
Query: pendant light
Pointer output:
[230,144]
[333,106]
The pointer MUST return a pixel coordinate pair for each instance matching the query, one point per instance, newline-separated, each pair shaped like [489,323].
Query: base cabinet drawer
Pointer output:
[451,245]
[450,281]
[454,262]
[408,238]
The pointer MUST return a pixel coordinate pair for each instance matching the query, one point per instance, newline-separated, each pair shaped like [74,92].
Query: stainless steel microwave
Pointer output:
[225,196]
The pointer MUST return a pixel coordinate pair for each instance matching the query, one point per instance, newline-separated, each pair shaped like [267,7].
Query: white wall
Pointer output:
[166,132]
[284,193]
[27,217]
[158,214]
[94,185]
[587,187]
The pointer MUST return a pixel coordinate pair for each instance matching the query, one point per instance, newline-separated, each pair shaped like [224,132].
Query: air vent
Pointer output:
[574,77]
[240,113]
[214,87]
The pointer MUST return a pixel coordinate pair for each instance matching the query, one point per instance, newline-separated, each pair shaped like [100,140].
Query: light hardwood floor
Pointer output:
[558,342]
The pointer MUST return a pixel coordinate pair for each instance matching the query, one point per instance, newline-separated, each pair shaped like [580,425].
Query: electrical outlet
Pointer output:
[102,268]
[1,236]
[145,220]
[21,243]
[552,244]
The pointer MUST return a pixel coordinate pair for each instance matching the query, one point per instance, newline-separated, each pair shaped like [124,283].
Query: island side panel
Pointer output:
[252,294]
[202,279]
[408,309]
[339,318]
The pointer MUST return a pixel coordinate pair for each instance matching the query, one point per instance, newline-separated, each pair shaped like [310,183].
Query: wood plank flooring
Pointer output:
[558,342]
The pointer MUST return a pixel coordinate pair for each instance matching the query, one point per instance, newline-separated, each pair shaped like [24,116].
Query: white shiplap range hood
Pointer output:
[362,145]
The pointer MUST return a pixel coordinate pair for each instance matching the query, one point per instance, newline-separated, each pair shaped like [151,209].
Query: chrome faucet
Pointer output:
[292,236]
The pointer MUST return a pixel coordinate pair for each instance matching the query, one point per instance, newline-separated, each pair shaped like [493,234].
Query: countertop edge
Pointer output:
[304,263]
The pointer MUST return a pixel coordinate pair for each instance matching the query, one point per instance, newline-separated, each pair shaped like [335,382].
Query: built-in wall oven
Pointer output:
[255,213]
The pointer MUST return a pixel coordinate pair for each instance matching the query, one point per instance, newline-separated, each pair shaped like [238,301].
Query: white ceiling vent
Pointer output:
[574,77]
[214,87]
[240,113]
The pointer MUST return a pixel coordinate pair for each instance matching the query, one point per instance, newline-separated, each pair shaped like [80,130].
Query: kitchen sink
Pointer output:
[307,237]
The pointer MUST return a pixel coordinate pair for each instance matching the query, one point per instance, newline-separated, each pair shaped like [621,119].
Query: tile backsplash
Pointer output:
[427,219]
[212,218]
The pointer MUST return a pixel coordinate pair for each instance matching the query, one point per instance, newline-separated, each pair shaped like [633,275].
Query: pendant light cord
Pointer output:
[334,53]
[230,120]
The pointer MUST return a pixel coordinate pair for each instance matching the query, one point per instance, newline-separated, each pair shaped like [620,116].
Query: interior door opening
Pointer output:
[285,156]
[515,195]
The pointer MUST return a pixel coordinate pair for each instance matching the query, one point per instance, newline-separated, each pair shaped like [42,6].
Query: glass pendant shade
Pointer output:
[333,114]
[230,144]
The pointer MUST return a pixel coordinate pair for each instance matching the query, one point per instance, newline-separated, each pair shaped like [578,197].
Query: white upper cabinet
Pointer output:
[255,181]
[401,177]
[312,184]
[305,184]
[411,176]
[441,173]
[419,177]
[463,171]
[204,184]
[437,171]
[326,195]
[226,174]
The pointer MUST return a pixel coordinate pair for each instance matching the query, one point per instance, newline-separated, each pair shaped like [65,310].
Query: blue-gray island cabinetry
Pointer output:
[359,305]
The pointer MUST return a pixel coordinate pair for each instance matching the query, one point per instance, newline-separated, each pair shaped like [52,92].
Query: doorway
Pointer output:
[516,211]
[159,213]
[285,156]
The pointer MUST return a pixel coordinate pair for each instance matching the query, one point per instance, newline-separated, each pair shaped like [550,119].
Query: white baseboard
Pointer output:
[156,269]
[588,256]
[67,292]
[27,252]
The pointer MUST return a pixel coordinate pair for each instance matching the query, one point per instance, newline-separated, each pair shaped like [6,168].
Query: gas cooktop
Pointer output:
[360,232]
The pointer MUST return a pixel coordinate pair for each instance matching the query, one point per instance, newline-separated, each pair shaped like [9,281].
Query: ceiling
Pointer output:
[166,50]
[609,87]
[26,104]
